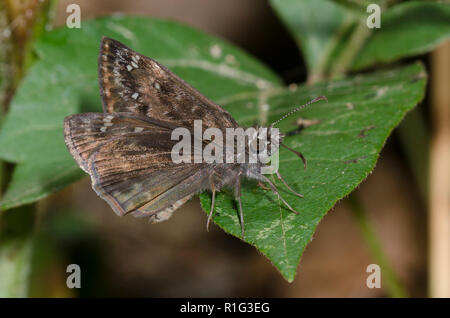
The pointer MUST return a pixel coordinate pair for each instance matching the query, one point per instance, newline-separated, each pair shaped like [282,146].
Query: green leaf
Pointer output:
[325,31]
[407,29]
[34,180]
[341,151]
[318,27]
[63,81]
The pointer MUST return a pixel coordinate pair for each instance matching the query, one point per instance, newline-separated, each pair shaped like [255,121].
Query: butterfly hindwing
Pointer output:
[131,82]
[129,160]
[84,133]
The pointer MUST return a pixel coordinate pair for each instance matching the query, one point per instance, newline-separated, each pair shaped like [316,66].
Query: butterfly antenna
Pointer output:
[299,108]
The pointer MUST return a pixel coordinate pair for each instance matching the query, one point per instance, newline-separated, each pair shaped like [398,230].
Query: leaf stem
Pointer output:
[354,45]
[318,73]
[16,56]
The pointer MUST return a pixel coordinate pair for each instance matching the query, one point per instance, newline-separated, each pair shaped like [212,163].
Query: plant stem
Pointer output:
[16,56]
[439,200]
[318,73]
[354,45]
[393,285]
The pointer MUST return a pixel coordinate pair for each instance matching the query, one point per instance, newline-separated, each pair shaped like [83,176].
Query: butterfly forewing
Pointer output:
[131,82]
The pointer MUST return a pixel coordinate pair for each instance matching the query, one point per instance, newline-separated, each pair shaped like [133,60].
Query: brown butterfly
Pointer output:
[127,149]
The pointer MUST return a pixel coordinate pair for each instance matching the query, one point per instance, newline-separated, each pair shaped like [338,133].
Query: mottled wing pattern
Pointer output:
[131,82]
[129,160]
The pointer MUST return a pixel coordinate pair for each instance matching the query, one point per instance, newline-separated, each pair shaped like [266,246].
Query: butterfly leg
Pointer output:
[287,185]
[238,199]
[298,153]
[274,189]
[263,186]
[213,188]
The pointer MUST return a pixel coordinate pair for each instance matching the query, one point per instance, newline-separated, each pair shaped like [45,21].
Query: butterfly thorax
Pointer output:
[248,163]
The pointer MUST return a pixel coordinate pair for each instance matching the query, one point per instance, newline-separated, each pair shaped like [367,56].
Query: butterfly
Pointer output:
[127,149]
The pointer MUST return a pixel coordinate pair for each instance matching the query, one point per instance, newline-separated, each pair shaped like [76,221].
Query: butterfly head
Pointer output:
[277,141]
[270,139]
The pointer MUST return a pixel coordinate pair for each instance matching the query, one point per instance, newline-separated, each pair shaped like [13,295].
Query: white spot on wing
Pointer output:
[135,96]
[167,213]
[108,119]
[138,129]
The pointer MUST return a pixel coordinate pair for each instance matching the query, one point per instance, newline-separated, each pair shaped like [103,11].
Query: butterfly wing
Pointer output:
[131,82]
[129,160]
[127,150]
